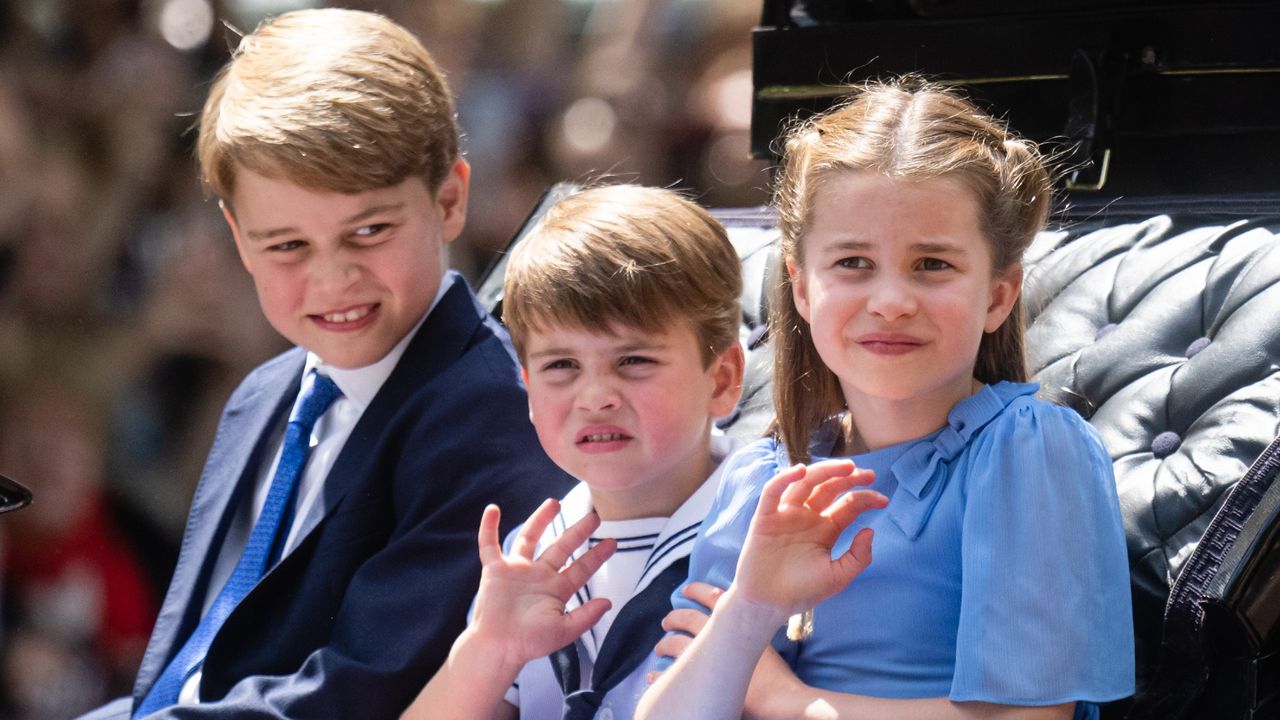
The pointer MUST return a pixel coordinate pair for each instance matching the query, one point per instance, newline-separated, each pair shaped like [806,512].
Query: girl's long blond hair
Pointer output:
[910,130]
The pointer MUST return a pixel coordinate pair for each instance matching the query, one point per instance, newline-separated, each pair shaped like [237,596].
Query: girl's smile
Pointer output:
[889,343]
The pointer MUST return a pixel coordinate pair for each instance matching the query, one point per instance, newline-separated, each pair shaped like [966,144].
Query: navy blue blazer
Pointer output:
[357,617]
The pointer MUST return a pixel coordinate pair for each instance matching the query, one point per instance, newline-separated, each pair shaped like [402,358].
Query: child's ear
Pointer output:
[235,234]
[524,376]
[799,291]
[1005,289]
[451,197]
[727,370]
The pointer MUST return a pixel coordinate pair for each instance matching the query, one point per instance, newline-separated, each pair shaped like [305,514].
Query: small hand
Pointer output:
[786,559]
[521,601]
[772,675]
[684,624]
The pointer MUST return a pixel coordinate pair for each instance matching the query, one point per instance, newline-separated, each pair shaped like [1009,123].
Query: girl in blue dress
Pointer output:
[1000,581]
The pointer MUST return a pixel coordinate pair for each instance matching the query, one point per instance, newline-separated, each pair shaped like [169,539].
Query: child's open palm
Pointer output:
[786,560]
[521,602]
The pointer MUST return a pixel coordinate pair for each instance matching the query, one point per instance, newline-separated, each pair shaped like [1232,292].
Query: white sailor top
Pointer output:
[602,675]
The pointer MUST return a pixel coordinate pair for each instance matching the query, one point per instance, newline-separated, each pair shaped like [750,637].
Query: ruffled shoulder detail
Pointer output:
[921,471]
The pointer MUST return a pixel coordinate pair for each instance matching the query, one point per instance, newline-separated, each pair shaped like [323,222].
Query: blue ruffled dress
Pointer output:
[999,569]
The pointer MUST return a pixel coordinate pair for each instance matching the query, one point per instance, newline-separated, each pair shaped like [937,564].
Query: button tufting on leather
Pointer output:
[1104,331]
[1165,444]
[1196,346]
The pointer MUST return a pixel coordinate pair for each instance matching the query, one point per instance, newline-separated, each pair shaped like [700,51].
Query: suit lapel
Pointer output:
[246,423]
[439,342]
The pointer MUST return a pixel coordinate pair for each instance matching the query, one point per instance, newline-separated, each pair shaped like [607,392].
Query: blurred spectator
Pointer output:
[199,332]
[78,609]
[116,355]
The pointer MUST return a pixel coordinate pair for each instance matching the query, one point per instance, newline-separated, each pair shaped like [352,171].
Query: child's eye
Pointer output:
[369,231]
[561,364]
[933,264]
[854,263]
[636,360]
[286,246]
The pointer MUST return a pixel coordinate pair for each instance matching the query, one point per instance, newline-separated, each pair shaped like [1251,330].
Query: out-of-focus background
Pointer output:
[126,319]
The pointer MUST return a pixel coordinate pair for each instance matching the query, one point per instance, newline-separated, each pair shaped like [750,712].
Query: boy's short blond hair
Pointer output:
[625,255]
[329,99]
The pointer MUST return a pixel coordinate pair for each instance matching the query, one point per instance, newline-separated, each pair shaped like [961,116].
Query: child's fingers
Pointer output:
[853,562]
[581,618]
[827,492]
[562,549]
[672,646]
[702,593]
[685,620]
[771,493]
[848,507]
[490,545]
[863,476]
[527,539]
[798,493]
[581,570]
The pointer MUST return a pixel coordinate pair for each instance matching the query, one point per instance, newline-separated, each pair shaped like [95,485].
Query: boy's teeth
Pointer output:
[605,437]
[348,316]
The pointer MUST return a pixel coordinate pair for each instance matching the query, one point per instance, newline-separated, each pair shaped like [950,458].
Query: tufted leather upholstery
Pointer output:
[1166,337]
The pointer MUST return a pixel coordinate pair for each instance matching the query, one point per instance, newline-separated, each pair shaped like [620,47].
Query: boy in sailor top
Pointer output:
[623,305]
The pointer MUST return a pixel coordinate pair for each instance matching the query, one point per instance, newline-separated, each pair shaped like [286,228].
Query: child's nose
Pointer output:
[892,298]
[597,394]
[335,273]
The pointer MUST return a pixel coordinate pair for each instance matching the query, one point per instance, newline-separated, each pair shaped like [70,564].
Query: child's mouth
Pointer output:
[348,319]
[889,343]
[348,316]
[603,437]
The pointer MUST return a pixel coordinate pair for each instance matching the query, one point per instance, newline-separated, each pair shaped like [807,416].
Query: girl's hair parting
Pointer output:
[910,130]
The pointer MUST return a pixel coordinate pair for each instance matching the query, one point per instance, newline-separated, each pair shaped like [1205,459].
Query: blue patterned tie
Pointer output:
[262,550]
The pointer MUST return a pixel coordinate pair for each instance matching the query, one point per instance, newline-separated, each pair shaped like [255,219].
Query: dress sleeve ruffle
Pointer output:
[1045,613]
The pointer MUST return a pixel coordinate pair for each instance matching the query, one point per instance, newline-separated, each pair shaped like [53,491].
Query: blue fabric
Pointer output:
[999,569]
[262,549]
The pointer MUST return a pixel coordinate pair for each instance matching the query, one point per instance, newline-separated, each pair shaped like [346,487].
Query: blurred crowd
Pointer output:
[126,319]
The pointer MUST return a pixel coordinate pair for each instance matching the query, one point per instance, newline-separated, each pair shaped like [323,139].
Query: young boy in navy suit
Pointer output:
[623,303]
[327,562]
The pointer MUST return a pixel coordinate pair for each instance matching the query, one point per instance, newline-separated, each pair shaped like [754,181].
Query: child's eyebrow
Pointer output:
[362,215]
[920,247]
[938,247]
[549,352]
[621,349]
[640,347]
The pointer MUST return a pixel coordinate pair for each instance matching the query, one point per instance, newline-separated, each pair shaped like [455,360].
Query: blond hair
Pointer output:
[909,130]
[625,255]
[329,99]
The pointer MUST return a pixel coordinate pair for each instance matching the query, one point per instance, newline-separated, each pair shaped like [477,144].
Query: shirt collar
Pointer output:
[360,385]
